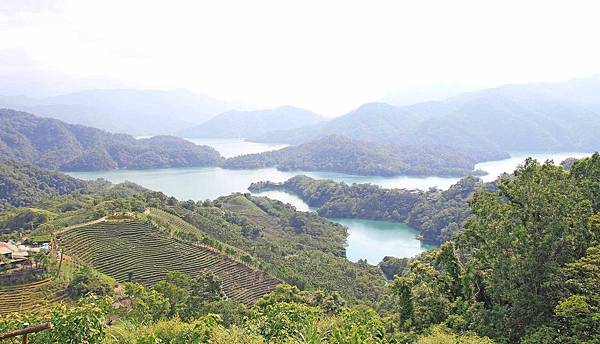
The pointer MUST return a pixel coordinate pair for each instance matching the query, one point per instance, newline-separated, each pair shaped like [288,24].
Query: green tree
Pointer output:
[147,305]
[283,320]
[587,173]
[577,314]
[517,241]
[83,322]
[442,335]
[175,289]
[422,298]
[203,289]
[85,281]
[359,324]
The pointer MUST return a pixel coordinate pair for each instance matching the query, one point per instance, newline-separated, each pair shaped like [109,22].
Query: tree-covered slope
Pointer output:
[22,184]
[381,120]
[525,268]
[243,124]
[340,154]
[53,144]
[511,121]
[373,120]
[111,246]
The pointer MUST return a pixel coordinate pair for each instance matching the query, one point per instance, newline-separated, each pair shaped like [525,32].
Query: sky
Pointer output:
[327,56]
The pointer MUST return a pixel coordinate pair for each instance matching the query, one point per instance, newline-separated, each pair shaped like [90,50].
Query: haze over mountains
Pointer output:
[131,111]
[535,117]
[238,124]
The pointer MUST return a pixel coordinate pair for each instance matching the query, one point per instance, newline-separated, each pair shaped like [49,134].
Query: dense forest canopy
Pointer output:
[341,154]
[525,266]
[53,144]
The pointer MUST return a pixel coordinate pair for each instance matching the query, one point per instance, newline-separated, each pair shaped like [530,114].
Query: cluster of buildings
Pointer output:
[13,254]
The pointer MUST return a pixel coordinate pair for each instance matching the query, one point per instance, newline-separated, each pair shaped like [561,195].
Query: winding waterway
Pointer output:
[371,240]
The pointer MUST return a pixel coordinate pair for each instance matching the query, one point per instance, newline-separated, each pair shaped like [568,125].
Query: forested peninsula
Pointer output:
[341,154]
[435,213]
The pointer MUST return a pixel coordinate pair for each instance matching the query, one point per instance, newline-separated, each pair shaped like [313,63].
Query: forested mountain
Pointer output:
[22,184]
[53,144]
[435,213]
[341,154]
[536,117]
[243,124]
[131,111]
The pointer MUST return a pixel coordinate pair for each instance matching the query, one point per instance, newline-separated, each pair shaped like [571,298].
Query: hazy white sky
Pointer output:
[328,56]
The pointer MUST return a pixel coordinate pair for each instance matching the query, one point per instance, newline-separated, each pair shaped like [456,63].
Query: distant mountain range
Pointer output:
[241,124]
[131,111]
[344,155]
[529,117]
[56,145]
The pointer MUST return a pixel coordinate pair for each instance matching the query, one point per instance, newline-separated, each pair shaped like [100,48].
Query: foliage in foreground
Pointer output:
[80,323]
[524,269]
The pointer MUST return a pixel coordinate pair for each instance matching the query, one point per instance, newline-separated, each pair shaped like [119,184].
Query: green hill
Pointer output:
[138,112]
[24,297]
[53,144]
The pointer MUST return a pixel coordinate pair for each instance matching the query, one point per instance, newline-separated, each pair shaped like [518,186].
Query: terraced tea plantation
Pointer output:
[133,250]
[23,297]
